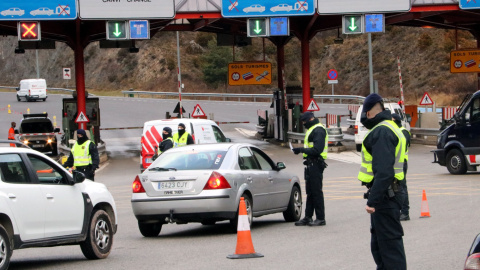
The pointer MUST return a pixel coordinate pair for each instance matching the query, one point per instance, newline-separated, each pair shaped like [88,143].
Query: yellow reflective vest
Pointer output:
[307,144]
[182,141]
[406,146]
[366,172]
[81,155]
[158,149]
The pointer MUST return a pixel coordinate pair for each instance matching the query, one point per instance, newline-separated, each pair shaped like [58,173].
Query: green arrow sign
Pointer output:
[257,27]
[117,30]
[352,24]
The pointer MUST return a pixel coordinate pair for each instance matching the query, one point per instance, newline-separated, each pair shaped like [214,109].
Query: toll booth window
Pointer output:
[37,127]
[12,169]
[246,160]
[46,172]
[219,137]
[475,110]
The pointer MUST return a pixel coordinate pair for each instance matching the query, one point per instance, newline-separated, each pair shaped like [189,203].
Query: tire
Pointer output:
[359,147]
[44,99]
[234,222]
[294,210]
[456,163]
[18,98]
[5,249]
[55,150]
[99,237]
[150,229]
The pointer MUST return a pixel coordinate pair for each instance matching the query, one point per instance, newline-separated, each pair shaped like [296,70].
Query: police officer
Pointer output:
[383,151]
[182,138]
[167,142]
[84,156]
[11,133]
[315,153]
[404,211]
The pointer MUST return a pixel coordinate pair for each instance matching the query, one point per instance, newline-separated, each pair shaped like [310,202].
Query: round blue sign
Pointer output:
[332,74]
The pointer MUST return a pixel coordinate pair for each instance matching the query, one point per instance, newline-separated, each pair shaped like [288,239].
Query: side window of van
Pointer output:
[475,116]
[219,137]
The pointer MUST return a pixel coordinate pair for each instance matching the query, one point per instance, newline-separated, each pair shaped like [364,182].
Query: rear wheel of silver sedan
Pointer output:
[294,210]
[150,229]
[249,205]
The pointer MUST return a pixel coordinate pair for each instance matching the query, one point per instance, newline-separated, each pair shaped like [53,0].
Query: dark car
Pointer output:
[37,131]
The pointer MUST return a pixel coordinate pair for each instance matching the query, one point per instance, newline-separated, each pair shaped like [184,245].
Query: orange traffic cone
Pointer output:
[424,212]
[244,238]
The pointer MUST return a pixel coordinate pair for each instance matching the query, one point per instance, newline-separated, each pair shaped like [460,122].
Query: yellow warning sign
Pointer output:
[249,73]
[465,61]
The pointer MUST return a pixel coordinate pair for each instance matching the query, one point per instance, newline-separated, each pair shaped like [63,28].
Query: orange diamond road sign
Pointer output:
[249,73]
[465,61]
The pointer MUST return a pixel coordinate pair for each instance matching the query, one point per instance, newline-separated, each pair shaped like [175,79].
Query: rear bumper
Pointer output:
[440,157]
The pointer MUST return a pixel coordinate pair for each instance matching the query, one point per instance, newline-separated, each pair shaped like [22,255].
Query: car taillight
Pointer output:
[473,262]
[217,181]
[356,129]
[137,186]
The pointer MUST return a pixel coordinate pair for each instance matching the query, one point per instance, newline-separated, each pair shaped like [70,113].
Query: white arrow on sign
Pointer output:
[139,28]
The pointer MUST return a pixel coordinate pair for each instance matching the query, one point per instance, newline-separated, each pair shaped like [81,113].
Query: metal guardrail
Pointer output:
[48,88]
[334,135]
[425,131]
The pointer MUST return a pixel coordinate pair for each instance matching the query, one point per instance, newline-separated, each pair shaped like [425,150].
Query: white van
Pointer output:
[202,131]
[361,131]
[32,89]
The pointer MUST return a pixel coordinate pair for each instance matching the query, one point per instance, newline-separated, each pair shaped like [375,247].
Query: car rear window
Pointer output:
[189,160]
[37,127]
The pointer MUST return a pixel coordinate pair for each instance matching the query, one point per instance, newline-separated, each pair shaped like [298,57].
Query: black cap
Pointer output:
[397,119]
[306,116]
[81,132]
[167,129]
[370,101]
[181,125]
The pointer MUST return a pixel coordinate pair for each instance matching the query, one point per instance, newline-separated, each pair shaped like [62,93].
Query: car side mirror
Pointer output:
[281,166]
[409,118]
[228,140]
[56,130]
[78,177]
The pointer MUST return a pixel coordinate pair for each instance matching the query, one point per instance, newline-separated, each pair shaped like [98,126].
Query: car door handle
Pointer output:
[49,196]
[250,179]
[12,196]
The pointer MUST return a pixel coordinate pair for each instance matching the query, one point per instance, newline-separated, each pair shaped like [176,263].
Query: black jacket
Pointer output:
[407,137]
[92,149]
[318,138]
[381,144]
[165,145]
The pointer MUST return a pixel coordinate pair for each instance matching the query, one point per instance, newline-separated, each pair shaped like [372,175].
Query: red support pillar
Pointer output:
[305,43]
[80,75]
[478,74]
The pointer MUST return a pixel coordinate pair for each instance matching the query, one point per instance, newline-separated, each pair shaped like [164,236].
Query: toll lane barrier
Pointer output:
[245,122]
[448,112]
[354,108]
[121,128]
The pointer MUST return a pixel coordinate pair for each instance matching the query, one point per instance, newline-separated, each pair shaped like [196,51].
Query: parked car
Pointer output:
[361,131]
[473,258]
[32,90]
[43,205]
[254,8]
[12,12]
[204,183]
[202,131]
[458,146]
[37,131]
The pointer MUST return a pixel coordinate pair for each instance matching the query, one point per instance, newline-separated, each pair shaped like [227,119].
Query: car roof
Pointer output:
[177,121]
[210,146]
[14,150]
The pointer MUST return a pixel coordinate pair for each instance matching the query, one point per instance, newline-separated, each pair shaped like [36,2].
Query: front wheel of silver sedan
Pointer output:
[294,210]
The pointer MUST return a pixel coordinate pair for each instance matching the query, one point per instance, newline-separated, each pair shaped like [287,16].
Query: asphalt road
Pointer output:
[439,242]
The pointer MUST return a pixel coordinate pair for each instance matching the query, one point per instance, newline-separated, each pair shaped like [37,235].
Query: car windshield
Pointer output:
[189,160]
[37,127]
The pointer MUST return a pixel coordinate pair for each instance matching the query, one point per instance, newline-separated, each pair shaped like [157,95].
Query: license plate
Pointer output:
[177,185]
[148,160]
[37,145]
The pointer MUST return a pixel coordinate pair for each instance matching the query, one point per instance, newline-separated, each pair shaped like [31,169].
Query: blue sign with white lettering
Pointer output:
[139,29]
[279,26]
[374,23]
[266,8]
[46,10]
[469,4]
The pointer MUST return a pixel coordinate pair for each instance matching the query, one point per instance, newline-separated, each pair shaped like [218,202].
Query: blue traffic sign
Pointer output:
[279,26]
[266,8]
[332,74]
[374,23]
[46,10]
[139,29]
[469,4]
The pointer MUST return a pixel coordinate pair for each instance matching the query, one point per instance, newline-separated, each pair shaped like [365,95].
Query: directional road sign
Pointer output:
[117,30]
[257,27]
[465,61]
[279,26]
[16,10]
[266,8]
[151,9]
[139,29]
[374,23]
[352,24]
[362,6]
[469,4]
[249,73]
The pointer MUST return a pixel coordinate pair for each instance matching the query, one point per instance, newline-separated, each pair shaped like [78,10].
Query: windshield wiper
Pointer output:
[162,169]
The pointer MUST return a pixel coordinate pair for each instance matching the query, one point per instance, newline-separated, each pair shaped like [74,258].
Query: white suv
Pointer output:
[42,204]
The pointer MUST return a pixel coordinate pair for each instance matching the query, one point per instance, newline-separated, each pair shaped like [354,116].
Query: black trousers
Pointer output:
[403,196]
[87,170]
[314,186]
[387,236]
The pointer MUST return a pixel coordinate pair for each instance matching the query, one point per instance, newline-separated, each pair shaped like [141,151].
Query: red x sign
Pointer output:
[29,31]
[302,5]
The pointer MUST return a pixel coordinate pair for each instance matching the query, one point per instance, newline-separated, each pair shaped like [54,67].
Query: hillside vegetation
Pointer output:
[424,54]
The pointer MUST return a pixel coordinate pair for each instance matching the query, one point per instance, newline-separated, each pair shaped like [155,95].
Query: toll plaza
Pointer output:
[122,24]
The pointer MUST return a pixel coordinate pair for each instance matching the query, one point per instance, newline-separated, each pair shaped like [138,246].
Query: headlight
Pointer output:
[49,141]
[25,142]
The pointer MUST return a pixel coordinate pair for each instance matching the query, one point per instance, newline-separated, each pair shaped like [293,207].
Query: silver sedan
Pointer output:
[204,183]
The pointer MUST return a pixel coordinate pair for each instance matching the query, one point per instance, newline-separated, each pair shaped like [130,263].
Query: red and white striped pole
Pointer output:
[401,84]
[179,77]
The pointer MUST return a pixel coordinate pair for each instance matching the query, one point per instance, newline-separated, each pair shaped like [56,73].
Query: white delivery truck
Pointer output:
[32,89]
[361,130]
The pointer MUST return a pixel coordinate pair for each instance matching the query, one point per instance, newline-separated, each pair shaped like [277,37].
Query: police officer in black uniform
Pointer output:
[166,143]
[382,156]
[314,153]
[404,211]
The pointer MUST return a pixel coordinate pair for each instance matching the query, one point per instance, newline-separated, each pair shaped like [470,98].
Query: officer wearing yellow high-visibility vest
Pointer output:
[404,211]
[182,137]
[83,156]
[383,154]
[315,153]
